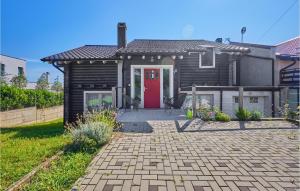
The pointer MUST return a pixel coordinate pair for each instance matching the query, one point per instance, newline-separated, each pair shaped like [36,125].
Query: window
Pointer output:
[236,99]
[253,99]
[208,59]
[20,71]
[2,70]
[166,82]
[97,100]
[137,83]
[205,100]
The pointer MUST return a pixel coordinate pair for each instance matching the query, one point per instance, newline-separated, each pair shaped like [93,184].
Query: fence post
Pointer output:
[241,100]
[194,100]
[114,97]
[124,98]
[285,95]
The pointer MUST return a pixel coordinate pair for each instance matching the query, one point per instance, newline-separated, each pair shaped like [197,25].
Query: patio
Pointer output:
[263,156]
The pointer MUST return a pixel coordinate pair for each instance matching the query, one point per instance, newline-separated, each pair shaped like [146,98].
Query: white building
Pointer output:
[11,66]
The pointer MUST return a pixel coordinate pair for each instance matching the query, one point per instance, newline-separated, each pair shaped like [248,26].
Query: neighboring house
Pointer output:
[11,66]
[150,70]
[288,70]
[287,59]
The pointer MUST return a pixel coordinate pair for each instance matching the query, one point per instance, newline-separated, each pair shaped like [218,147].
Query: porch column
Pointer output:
[66,92]
[120,82]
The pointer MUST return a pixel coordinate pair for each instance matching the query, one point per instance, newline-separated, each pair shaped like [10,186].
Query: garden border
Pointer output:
[26,178]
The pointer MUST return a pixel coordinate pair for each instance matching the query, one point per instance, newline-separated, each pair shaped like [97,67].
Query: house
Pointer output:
[288,70]
[287,59]
[11,66]
[149,70]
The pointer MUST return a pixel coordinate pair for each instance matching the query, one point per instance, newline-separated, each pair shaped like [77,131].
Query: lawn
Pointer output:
[23,148]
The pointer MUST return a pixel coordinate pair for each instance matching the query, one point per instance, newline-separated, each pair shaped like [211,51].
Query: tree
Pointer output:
[43,83]
[57,85]
[19,81]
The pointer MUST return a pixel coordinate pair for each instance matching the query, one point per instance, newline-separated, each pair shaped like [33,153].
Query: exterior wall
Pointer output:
[11,66]
[264,104]
[186,70]
[190,73]
[89,77]
[29,115]
[137,60]
[255,72]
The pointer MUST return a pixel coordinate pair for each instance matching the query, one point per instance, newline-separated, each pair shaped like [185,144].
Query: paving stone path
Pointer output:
[163,157]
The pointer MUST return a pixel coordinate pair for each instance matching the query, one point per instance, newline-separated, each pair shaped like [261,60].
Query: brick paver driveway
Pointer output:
[161,158]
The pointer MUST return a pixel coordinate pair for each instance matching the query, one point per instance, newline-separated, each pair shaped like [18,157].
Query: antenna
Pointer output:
[243,31]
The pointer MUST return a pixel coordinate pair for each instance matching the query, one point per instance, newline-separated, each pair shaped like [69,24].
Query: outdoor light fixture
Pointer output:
[129,57]
[152,59]
[173,57]
[180,57]
[121,57]
[143,57]
[158,57]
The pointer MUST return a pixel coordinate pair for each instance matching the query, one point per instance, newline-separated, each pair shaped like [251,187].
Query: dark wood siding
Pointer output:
[89,77]
[190,73]
[137,60]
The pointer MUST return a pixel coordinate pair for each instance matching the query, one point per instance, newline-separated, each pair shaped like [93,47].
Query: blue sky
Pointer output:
[32,29]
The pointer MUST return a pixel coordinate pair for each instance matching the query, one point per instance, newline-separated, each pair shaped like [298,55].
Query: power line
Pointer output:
[279,18]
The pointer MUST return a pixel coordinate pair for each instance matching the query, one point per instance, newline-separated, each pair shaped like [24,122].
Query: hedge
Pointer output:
[16,98]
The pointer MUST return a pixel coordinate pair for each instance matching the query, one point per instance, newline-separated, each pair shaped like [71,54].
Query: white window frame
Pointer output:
[161,67]
[86,92]
[214,60]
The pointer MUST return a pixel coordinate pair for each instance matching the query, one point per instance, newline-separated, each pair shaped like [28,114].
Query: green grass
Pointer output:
[23,148]
[63,173]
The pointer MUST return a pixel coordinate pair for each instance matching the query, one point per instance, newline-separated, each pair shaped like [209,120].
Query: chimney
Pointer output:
[121,35]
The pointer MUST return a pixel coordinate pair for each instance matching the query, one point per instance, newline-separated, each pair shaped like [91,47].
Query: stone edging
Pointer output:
[25,179]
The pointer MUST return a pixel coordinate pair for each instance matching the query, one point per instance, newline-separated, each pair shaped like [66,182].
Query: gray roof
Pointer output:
[87,52]
[176,46]
[96,52]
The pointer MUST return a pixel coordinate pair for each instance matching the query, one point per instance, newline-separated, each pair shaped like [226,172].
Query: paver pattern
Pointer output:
[160,157]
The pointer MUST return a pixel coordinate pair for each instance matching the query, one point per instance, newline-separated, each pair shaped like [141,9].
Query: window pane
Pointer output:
[97,101]
[137,83]
[93,102]
[20,71]
[166,83]
[204,100]
[207,58]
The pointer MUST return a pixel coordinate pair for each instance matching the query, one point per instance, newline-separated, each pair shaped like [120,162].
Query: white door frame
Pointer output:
[142,67]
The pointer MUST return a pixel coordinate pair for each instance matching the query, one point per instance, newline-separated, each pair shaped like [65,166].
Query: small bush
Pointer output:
[93,129]
[189,114]
[243,114]
[256,115]
[206,113]
[97,132]
[220,116]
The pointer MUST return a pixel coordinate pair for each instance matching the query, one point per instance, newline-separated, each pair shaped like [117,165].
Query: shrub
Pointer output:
[98,132]
[15,98]
[189,114]
[107,116]
[256,115]
[206,113]
[220,116]
[93,129]
[243,114]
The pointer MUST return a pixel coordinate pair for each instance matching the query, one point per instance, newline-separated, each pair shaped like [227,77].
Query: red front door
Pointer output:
[152,88]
